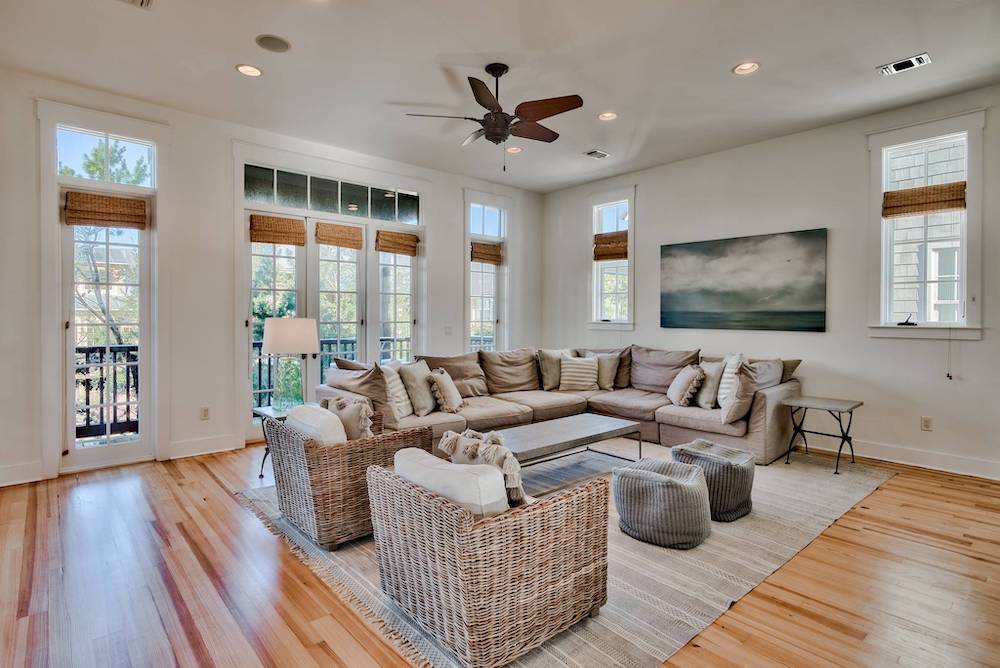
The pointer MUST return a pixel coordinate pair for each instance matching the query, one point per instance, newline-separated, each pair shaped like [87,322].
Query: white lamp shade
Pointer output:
[290,336]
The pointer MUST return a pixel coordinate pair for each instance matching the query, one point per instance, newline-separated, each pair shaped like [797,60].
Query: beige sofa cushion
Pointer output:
[765,373]
[550,366]
[477,488]
[464,370]
[708,393]
[548,405]
[438,421]
[623,374]
[510,371]
[629,403]
[607,369]
[485,413]
[653,370]
[693,417]
[416,378]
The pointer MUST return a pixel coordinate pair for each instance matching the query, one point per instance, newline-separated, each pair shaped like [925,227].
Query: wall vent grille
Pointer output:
[597,154]
[911,63]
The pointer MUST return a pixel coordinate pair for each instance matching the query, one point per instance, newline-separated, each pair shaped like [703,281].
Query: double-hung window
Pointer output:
[928,182]
[487,229]
[613,230]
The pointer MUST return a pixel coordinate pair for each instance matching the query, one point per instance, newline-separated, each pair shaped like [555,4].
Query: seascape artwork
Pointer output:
[768,281]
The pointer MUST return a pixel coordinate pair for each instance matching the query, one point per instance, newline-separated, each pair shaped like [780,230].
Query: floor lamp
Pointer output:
[288,338]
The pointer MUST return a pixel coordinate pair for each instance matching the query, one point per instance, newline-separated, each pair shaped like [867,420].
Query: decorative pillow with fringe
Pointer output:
[684,387]
[448,398]
[472,447]
[356,416]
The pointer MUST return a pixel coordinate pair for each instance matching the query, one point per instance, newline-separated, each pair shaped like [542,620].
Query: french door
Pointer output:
[107,318]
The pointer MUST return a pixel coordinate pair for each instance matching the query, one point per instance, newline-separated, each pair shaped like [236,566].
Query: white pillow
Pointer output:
[399,400]
[729,384]
[479,488]
[317,423]
[578,373]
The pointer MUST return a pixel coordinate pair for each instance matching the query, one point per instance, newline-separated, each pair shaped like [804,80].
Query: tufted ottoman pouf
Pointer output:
[728,473]
[661,502]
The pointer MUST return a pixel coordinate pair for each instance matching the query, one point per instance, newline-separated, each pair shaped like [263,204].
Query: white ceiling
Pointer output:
[356,66]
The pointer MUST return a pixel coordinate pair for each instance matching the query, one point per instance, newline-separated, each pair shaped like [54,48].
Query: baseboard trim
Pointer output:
[203,446]
[928,459]
[16,474]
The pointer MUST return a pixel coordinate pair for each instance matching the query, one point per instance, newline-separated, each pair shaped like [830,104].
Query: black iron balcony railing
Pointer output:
[108,379]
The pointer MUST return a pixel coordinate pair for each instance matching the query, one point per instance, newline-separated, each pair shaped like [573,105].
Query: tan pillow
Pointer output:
[449,399]
[549,365]
[368,383]
[356,416]
[685,384]
[788,368]
[765,373]
[350,365]
[737,405]
[416,378]
[708,393]
[623,376]
[579,374]
[653,370]
[511,371]
[472,447]
[399,400]
[464,370]
[607,369]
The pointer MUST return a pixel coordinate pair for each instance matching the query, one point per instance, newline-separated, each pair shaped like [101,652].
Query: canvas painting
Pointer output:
[769,281]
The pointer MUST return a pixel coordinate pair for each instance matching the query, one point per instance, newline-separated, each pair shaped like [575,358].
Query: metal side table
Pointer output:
[265,412]
[837,408]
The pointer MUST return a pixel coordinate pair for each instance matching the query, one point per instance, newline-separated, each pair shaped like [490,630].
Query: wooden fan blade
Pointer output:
[484,96]
[536,110]
[530,130]
[464,118]
[474,136]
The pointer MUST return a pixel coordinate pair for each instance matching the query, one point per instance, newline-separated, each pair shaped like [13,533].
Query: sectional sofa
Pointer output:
[505,389]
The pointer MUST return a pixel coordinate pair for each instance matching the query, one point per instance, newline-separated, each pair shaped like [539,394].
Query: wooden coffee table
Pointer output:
[552,439]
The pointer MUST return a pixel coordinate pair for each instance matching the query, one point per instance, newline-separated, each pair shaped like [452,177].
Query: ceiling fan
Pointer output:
[498,126]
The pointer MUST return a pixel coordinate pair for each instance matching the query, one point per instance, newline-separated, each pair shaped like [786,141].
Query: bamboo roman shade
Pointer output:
[490,253]
[611,246]
[345,236]
[275,230]
[402,243]
[84,208]
[925,199]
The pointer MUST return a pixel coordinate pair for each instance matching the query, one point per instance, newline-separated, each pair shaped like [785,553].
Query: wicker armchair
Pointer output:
[494,589]
[322,488]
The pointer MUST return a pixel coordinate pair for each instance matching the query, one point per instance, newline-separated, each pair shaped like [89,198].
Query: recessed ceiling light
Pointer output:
[352,207]
[514,149]
[248,70]
[607,116]
[746,68]
[273,43]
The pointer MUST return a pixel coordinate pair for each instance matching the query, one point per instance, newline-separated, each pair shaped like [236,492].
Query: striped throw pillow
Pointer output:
[399,400]
[578,373]
[728,384]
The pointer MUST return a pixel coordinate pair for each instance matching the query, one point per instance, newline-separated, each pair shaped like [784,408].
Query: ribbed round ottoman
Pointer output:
[728,473]
[661,502]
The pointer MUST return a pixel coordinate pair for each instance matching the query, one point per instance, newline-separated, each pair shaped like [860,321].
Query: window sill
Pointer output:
[959,333]
[612,326]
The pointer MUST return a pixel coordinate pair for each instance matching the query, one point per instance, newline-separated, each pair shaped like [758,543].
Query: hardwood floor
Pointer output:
[158,564]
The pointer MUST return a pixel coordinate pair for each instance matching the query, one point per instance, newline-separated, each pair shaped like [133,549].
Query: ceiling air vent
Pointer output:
[910,63]
[141,4]
[597,154]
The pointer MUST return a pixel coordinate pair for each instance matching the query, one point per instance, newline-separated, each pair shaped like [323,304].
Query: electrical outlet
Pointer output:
[449,330]
[926,423]
[205,414]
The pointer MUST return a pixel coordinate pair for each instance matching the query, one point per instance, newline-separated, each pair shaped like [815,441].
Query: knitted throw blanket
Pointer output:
[472,447]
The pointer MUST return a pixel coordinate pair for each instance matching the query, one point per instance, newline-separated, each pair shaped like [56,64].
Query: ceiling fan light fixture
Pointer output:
[248,70]
[514,150]
[746,68]
[607,116]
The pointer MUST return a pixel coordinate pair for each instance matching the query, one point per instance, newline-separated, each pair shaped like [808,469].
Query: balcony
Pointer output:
[107,390]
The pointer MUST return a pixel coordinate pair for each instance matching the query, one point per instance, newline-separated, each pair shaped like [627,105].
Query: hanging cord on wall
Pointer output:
[947,373]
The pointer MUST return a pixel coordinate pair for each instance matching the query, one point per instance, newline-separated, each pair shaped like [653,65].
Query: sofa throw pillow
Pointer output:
[607,369]
[472,447]
[737,403]
[448,398]
[370,383]
[728,383]
[469,377]
[350,365]
[416,378]
[623,376]
[510,371]
[578,374]
[765,373]
[708,393]
[653,370]
[356,416]
[685,384]
[399,400]
[549,365]
[788,368]
[317,424]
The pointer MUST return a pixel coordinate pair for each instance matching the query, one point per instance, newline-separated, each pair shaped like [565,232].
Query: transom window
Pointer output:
[100,156]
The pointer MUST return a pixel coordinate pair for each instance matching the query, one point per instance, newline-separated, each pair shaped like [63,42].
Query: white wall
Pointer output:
[808,180]
[199,256]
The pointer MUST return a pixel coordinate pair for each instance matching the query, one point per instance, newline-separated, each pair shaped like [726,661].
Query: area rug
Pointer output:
[658,599]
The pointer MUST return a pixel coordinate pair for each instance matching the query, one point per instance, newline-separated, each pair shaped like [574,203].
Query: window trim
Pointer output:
[502,330]
[594,200]
[971,123]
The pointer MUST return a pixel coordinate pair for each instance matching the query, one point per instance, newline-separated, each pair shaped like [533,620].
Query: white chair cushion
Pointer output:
[478,488]
[317,423]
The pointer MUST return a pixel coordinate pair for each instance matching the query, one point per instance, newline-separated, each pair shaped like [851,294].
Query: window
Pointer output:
[275,287]
[612,273]
[487,228]
[395,294]
[100,156]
